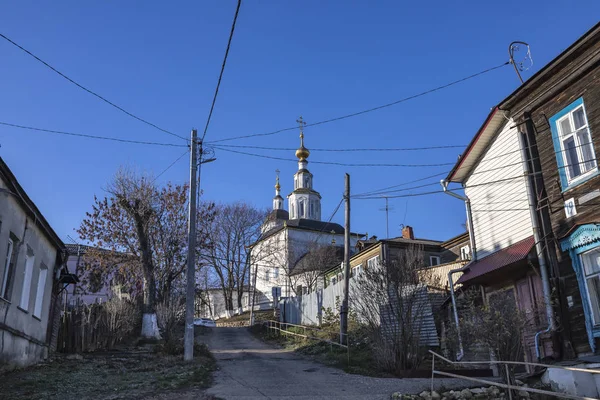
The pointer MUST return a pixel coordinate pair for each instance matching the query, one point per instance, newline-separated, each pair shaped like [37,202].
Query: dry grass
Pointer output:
[127,374]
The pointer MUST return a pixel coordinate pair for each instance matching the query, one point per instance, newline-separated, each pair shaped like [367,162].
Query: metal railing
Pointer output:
[282,327]
[507,385]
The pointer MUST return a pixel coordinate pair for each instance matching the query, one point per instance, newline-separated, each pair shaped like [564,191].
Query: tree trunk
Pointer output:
[149,323]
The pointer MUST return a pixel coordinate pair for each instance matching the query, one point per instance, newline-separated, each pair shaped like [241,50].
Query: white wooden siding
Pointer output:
[500,213]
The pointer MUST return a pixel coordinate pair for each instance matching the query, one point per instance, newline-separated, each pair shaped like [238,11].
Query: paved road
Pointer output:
[252,369]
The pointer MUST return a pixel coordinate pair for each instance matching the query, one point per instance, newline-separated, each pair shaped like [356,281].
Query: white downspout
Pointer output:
[444,184]
[538,246]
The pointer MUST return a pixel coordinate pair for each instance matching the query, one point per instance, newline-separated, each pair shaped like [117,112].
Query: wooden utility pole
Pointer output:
[344,310]
[188,345]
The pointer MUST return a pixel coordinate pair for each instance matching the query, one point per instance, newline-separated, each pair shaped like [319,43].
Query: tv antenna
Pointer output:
[525,63]
[387,210]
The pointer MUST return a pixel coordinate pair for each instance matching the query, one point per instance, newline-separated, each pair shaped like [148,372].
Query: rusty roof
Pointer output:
[509,255]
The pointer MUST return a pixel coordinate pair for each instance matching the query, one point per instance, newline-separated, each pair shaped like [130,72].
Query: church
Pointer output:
[287,236]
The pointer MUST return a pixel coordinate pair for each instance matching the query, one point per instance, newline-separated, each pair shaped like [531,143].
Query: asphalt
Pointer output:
[251,369]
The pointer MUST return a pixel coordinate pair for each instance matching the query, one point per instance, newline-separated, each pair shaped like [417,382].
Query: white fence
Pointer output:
[308,309]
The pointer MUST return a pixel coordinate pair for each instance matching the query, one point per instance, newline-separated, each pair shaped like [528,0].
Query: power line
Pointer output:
[332,162]
[370,109]
[88,90]
[91,136]
[170,165]
[237,10]
[345,150]
[401,184]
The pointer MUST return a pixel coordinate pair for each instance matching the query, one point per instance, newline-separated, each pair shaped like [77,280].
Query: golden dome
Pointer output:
[277,186]
[302,153]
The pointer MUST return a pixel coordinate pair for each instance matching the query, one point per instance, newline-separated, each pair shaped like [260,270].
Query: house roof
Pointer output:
[477,147]
[498,118]
[307,225]
[400,239]
[463,237]
[15,189]
[502,258]
[331,260]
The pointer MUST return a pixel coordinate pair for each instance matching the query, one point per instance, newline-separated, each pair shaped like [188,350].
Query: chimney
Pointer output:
[407,232]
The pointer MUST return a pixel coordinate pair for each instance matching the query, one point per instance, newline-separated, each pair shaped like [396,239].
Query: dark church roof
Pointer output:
[277,214]
[314,225]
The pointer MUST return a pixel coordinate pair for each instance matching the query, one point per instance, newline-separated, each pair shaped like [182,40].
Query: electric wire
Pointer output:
[237,10]
[89,90]
[170,165]
[370,109]
[332,162]
[344,150]
[91,136]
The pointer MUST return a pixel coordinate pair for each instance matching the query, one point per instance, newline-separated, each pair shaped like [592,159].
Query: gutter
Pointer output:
[444,183]
[538,243]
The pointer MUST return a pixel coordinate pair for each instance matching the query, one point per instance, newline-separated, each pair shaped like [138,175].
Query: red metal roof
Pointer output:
[502,258]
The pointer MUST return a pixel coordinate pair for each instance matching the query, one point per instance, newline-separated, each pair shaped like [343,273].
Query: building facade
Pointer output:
[31,272]
[287,236]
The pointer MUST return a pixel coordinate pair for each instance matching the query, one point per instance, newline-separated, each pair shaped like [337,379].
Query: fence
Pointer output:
[82,329]
[308,308]
[510,387]
[96,326]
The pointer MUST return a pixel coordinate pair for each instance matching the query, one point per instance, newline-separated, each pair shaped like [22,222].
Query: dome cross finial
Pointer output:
[302,153]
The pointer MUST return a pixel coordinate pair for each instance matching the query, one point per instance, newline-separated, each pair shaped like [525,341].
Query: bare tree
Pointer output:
[140,233]
[392,301]
[316,259]
[233,229]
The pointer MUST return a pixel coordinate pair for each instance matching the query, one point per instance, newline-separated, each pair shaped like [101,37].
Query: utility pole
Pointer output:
[188,346]
[344,310]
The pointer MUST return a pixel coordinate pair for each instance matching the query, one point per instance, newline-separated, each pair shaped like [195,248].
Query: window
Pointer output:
[434,260]
[26,289]
[312,208]
[301,209]
[276,272]
[41,286]
[465,253]
[267,275]
[334,280]
[573,143]
[292,211]
[591,269]
[9,266]
[373,262]
[356,271]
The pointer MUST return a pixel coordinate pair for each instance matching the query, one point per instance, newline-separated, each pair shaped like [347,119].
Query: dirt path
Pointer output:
[252,369]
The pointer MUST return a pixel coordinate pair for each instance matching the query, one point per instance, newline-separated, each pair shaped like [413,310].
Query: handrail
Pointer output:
[507,385]
[591,371]
[277,326]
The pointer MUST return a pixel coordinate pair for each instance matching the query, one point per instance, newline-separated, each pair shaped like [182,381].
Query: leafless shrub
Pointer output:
[392,301]
[170,313]
[121,318]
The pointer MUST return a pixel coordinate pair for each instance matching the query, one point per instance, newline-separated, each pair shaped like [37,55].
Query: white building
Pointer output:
[32,271]
[287,236]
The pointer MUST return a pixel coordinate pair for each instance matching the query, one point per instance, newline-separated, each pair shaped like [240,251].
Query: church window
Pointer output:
[306,180]
[301,209]
[312,209]
[292,210]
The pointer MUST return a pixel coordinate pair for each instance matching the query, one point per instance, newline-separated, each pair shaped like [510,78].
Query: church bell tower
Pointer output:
[304,202]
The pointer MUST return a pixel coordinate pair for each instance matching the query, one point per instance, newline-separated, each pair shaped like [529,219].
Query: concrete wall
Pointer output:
[214,305]
[23,334]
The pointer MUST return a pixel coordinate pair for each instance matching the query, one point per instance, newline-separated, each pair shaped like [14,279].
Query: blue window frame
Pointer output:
[573,145]
[584,249]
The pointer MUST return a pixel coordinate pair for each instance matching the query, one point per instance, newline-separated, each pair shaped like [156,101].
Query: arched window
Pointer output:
[301,209]
[292,210]
[312,209]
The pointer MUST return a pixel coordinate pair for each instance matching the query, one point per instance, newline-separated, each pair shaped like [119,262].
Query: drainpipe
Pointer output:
[538,245]
[444,184]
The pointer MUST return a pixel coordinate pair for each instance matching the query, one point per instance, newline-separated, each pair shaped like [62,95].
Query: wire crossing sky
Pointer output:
[375,81]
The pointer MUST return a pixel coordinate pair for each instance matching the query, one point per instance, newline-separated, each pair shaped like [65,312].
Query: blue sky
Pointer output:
[320,59]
